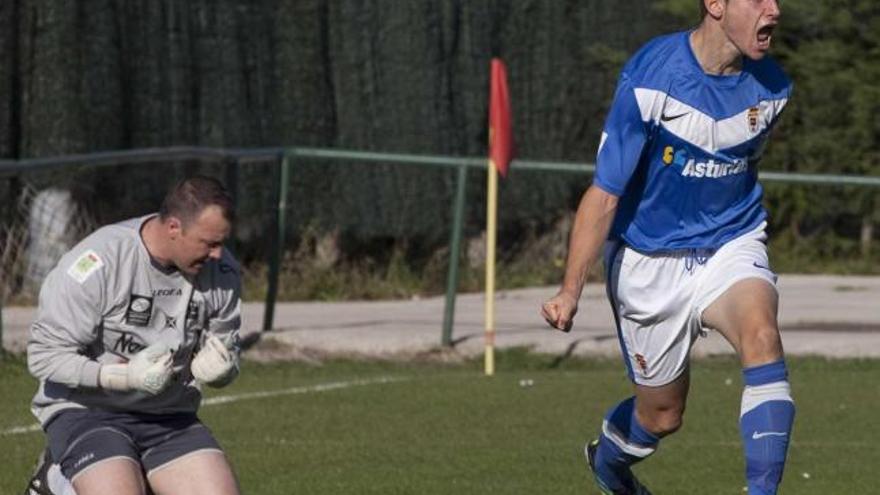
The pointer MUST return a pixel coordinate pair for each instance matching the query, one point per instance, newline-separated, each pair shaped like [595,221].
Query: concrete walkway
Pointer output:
[832,316]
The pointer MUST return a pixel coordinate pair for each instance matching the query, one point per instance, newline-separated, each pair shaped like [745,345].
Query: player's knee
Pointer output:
[761,344]
[669,423]
[665,421]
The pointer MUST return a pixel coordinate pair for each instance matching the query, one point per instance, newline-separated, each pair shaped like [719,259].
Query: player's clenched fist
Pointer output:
[149,371]
[559,311]
[214,364]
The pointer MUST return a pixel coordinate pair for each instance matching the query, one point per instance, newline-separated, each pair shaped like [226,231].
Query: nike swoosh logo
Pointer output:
[756,265]
[667,118]
[756,435]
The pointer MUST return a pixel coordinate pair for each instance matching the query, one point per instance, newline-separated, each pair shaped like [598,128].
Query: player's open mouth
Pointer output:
[764,36]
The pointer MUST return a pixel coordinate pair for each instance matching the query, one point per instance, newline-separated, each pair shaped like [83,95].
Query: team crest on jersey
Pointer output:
[643,363]
[140,310]
[753,119]
[88,263]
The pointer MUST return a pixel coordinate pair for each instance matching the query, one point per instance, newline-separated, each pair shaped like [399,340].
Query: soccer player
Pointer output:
[677,206]
[130,323]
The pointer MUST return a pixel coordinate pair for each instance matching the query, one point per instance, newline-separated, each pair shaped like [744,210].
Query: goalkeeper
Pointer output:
[131,322]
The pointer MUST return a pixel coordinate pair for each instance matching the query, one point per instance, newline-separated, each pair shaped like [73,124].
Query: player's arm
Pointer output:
[217,361]
[69,316]
[592,223]
[620,149]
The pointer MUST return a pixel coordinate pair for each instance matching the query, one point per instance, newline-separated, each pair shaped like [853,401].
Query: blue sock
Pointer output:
[623,442]
[766,418]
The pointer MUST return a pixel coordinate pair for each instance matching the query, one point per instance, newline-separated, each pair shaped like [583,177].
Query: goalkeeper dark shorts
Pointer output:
[82,438]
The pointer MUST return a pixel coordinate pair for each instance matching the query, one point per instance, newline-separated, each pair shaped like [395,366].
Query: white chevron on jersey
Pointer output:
[691,125]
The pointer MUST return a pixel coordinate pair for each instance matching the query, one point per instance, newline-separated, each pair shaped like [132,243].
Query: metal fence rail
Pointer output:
[286,158]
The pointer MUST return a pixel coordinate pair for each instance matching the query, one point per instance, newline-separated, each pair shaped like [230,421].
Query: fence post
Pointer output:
[454,250]
[282,176]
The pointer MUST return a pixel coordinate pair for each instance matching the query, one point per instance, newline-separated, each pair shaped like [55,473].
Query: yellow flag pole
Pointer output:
[491,209]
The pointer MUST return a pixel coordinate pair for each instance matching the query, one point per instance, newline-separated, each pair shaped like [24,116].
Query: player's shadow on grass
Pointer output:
[569,351]
[555,362]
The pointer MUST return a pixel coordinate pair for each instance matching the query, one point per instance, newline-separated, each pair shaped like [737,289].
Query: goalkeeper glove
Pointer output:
[214,364]
[149,370]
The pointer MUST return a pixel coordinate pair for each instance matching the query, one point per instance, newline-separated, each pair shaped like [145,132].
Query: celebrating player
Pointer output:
[677,205]
[130,322]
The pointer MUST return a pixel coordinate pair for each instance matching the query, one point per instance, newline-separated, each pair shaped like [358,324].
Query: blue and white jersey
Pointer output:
[680,147]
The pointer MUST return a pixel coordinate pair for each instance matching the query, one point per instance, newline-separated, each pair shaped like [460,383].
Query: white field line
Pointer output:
[18,430]
[225,399]
[306,389]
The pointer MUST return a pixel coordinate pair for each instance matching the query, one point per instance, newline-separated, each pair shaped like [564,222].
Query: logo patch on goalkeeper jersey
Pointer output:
[140,310]
[84,266]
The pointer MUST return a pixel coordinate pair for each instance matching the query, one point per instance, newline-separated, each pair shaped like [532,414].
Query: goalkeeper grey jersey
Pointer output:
[105,301]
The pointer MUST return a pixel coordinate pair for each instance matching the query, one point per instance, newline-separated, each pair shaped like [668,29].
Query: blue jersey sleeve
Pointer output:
[623,140]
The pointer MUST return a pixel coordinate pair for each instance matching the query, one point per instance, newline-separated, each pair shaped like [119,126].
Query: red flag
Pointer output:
[500,131]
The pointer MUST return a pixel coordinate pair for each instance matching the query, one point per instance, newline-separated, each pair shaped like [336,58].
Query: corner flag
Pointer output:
[500,154]
[500,131]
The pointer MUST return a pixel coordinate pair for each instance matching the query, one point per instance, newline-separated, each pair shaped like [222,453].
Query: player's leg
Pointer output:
[746,315]
[117,476]
[97,455]
[183,458]
[205,472]
[650,296]
[659,410]
[632,430]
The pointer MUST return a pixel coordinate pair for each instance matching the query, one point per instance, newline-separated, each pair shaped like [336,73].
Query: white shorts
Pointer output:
[658,300]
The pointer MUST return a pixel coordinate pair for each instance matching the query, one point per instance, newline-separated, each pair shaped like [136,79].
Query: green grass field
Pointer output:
[385,428]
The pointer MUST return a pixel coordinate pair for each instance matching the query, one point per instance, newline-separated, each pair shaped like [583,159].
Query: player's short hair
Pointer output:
[192,195]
